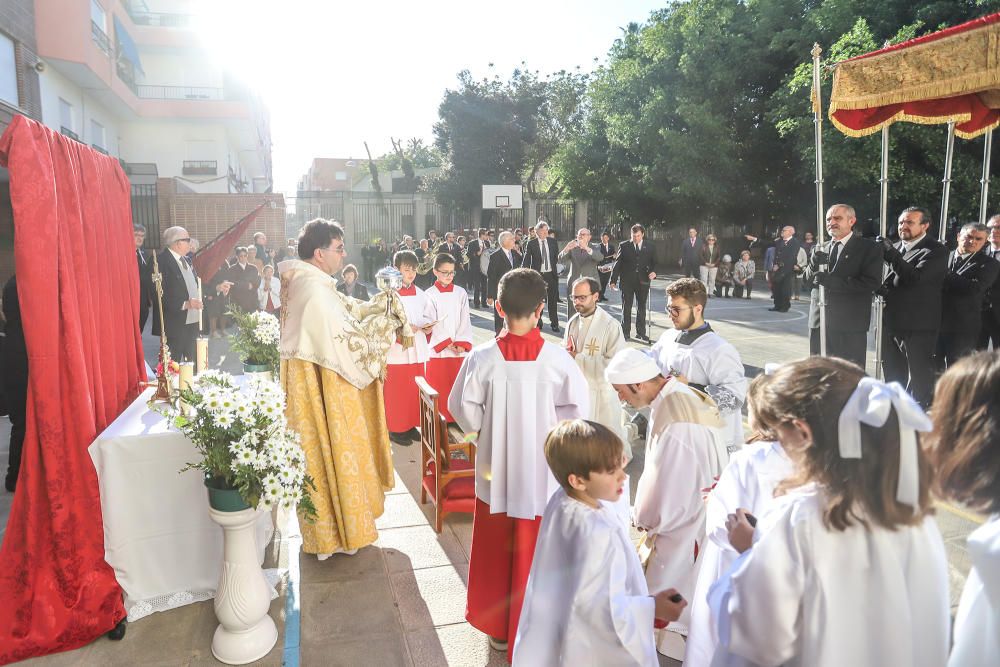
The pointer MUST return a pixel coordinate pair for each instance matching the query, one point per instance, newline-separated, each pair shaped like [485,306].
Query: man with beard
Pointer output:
[912,289]
[697,356]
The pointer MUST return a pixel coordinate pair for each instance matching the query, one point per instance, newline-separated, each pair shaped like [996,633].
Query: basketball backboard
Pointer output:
[502,197]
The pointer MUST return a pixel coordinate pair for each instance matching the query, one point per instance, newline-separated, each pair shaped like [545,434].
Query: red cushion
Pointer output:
[457,490]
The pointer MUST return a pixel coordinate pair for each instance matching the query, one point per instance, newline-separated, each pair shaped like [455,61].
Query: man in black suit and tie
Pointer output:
[504,260]
[849,268]
[634,269]
[912,289]
[180,296]
[145,262]
[605,266]
[990,331]
[971,273]
[476,249]
[541,254]
[691,254]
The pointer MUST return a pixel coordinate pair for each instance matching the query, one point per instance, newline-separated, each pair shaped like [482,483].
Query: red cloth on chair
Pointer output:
[458,495]
[78,285]
[402,397]
[441,374]
[502,549]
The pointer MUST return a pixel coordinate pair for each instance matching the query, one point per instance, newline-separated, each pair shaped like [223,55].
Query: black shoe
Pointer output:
[401,439]
[643,338]
[10,483]
[774,310]
[628,338]
[555,329]
[118,632]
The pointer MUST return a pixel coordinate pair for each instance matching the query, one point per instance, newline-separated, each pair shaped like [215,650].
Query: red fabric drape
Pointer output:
[78,286]
[209,259]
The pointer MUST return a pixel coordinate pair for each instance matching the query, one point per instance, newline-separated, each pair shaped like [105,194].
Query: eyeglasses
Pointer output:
[340,251]
[583,297]
[187,240]
[676,310]
[447,273]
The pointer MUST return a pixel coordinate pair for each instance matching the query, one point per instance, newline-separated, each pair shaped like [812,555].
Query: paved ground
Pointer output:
[402,600]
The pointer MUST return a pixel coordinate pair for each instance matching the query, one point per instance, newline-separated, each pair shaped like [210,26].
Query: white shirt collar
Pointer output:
[844,240]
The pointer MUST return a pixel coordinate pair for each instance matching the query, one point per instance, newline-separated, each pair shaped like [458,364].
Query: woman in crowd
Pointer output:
[710,258]
[965,449]
[743,274]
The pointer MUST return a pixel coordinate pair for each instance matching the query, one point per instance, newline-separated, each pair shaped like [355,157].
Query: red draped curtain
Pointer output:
[78,287]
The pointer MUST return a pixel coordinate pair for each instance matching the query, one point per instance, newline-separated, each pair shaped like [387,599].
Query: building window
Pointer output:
[67,126]
[98,16]
[96,134]
[8,71]
[341,175]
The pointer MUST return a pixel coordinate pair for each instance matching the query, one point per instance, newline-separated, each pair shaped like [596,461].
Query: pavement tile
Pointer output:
[461,526]
[399,487]
[387,651]
[166,635]
[347,610]
[401,510]
[458,644]
[107,652]
[419,547]
[366,564]
[431,597]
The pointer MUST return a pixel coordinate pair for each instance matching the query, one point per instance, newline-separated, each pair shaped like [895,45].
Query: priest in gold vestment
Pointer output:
[333,351]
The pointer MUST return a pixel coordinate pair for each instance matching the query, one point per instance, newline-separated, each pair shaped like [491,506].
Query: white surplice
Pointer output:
[513,406]
[420,312]
[451,312]
[808,596]
[683,460]
[596,339]
[977,624]
[714,364]
[587,602]
[748,482]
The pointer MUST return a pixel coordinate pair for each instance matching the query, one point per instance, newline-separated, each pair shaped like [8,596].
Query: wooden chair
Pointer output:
[448,482]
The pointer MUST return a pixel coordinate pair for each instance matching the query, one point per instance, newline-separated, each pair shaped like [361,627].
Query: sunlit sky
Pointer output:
[337,74]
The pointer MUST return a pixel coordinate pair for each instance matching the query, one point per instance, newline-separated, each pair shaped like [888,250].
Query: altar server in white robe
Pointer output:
[698,356]
[849,567]
[511,392]
[587,602]
[748,482]
[451,338]
[965,446]
[685,454]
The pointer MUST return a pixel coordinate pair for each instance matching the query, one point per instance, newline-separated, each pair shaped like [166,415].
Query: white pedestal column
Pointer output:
[246,633]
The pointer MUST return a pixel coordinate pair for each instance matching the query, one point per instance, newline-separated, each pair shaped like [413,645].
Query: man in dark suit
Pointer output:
[146,290]
[245,280]
[504,260]
[971,273]
[541,254]
[691,254]
[849,268]
[476,249]
[180,295]
[912,289]
[634,269]
[583,259]
[990,331]
[606,264]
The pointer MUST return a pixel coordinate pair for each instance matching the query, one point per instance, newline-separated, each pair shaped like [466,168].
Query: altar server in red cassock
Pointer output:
[402,398]
[512,391]
[451,338]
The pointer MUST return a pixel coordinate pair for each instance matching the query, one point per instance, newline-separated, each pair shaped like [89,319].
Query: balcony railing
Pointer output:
[69,133]
[180,93]
[200,168]
[141,15]
[100,38]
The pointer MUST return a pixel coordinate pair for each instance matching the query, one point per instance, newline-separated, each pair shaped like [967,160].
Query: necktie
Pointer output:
[509,258]
[835,255]
[141,258]
[543,248]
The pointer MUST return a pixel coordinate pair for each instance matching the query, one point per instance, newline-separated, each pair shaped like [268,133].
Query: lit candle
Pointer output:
[186,375]
[201,354]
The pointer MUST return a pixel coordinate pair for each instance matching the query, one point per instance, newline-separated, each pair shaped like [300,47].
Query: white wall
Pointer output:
[54,85]
[188,69]
[169,144]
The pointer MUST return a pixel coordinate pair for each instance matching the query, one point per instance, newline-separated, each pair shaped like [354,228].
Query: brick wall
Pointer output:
[205,216]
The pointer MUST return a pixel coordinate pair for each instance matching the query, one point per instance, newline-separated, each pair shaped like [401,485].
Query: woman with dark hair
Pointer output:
[965,450]
[848,567]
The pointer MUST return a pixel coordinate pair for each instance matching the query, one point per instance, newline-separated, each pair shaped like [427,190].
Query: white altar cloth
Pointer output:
[158,537]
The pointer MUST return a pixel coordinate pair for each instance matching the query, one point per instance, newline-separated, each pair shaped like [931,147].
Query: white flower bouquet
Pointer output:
[256,338]
[245,442]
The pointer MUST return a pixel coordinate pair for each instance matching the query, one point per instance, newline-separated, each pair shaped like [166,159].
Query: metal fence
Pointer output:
[146,213]
[382,219]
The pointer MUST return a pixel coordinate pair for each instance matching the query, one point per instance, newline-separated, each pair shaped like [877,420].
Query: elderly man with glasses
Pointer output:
[181,300]
[583,258]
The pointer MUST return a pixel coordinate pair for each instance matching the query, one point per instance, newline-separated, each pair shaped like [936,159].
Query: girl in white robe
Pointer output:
[849,567]
[965,446]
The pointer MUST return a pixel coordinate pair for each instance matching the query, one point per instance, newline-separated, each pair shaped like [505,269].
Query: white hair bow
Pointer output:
[870,404]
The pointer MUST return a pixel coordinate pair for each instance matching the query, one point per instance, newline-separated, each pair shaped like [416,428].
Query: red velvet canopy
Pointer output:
[78,286]
[949,75]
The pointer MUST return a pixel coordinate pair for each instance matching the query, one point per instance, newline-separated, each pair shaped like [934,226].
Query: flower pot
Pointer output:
[246,632]
[223,498]
[258,371]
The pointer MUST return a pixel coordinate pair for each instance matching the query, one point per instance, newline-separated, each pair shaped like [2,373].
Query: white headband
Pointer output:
[870,404]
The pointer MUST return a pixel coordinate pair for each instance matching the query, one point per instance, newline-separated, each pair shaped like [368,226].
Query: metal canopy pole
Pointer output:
[985,180]
[883,229]
[946,190]
[820,211]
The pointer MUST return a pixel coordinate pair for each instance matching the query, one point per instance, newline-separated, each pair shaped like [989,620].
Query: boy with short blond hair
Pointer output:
[587,601]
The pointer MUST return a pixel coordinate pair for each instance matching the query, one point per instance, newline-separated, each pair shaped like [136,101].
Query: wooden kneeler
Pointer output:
[448,482]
